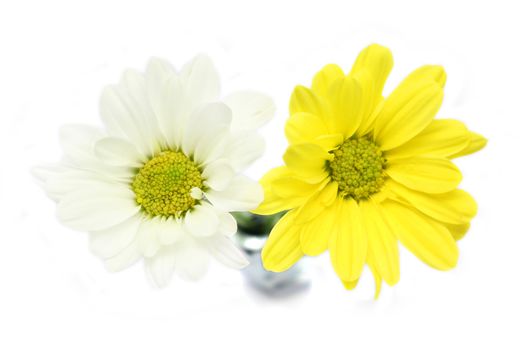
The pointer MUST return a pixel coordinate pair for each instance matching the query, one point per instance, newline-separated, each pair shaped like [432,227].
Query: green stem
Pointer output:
[256,225]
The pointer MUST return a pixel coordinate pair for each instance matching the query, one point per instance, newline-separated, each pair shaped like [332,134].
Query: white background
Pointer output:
[55,57]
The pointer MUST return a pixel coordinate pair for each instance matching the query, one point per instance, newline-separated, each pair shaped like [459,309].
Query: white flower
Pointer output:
[158,182]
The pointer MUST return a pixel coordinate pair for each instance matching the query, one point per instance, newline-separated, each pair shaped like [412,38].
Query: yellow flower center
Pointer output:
[163,185]
[358,168]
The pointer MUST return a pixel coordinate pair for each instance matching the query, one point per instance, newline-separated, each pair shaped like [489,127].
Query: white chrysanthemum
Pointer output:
[160,180]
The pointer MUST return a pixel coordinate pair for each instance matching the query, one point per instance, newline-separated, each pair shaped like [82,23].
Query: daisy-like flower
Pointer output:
[159,180]
[363,172]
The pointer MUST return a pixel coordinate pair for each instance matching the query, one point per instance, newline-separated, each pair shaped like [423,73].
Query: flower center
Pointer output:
[358,168]
[163,185]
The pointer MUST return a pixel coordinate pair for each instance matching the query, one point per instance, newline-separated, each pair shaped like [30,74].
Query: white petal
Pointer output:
[207,121]
[100,206]
[125,113]
[196,193]
[78,143]
[158,70]
[201,221]
[133,86]
[213,146]
[174,111]
[71,180]
[160,267]
[242,194]
[165,96]
[119,152]
[111,241]
[43,173]
[127,257]
[148,236]
[227,224]
[115,115]
[77,140]
[250,109]
[201,80]
[170,231]
[191,259]
[225,251]
[244,148]
[218,175]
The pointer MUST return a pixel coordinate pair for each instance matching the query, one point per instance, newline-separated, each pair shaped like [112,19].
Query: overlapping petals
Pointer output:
[144,114]
[419,203]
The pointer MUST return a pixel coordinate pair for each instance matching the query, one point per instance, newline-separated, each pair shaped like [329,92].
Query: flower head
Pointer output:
[159,180]
[363,172]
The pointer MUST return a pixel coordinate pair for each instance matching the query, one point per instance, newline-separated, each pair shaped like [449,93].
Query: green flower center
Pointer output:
[358,168]
[163,185]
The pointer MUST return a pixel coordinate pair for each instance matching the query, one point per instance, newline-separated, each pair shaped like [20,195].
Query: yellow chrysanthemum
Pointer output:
[362,172]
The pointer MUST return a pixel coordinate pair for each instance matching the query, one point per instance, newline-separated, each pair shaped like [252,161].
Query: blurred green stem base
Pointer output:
[256,225]
[252,233]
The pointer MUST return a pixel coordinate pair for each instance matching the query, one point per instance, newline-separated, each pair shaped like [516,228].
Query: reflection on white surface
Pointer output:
[276,285]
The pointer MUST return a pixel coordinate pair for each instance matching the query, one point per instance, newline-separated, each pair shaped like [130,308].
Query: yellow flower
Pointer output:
[362,172]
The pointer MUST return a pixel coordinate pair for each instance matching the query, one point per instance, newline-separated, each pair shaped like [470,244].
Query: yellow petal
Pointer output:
[329,142]
[458,231]
[371,69]
[275,174]
[274,203]
[316,233]
[325,77]
[406,112]
[310,128]
[455,207]
[371,101]
[329,194]
[282,249]
[442,138]
[378,61]
[430,175]
[349,285]
[304,127]
[430,241]
[477,142]
[305,100]
[347,106]
[377,277]
[317,204]
[290,186]
[348,244]
[433,72]
[307,161]
[382,243]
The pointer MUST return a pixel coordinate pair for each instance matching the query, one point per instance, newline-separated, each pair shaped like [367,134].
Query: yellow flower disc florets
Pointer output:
[163,185]
[358,168]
